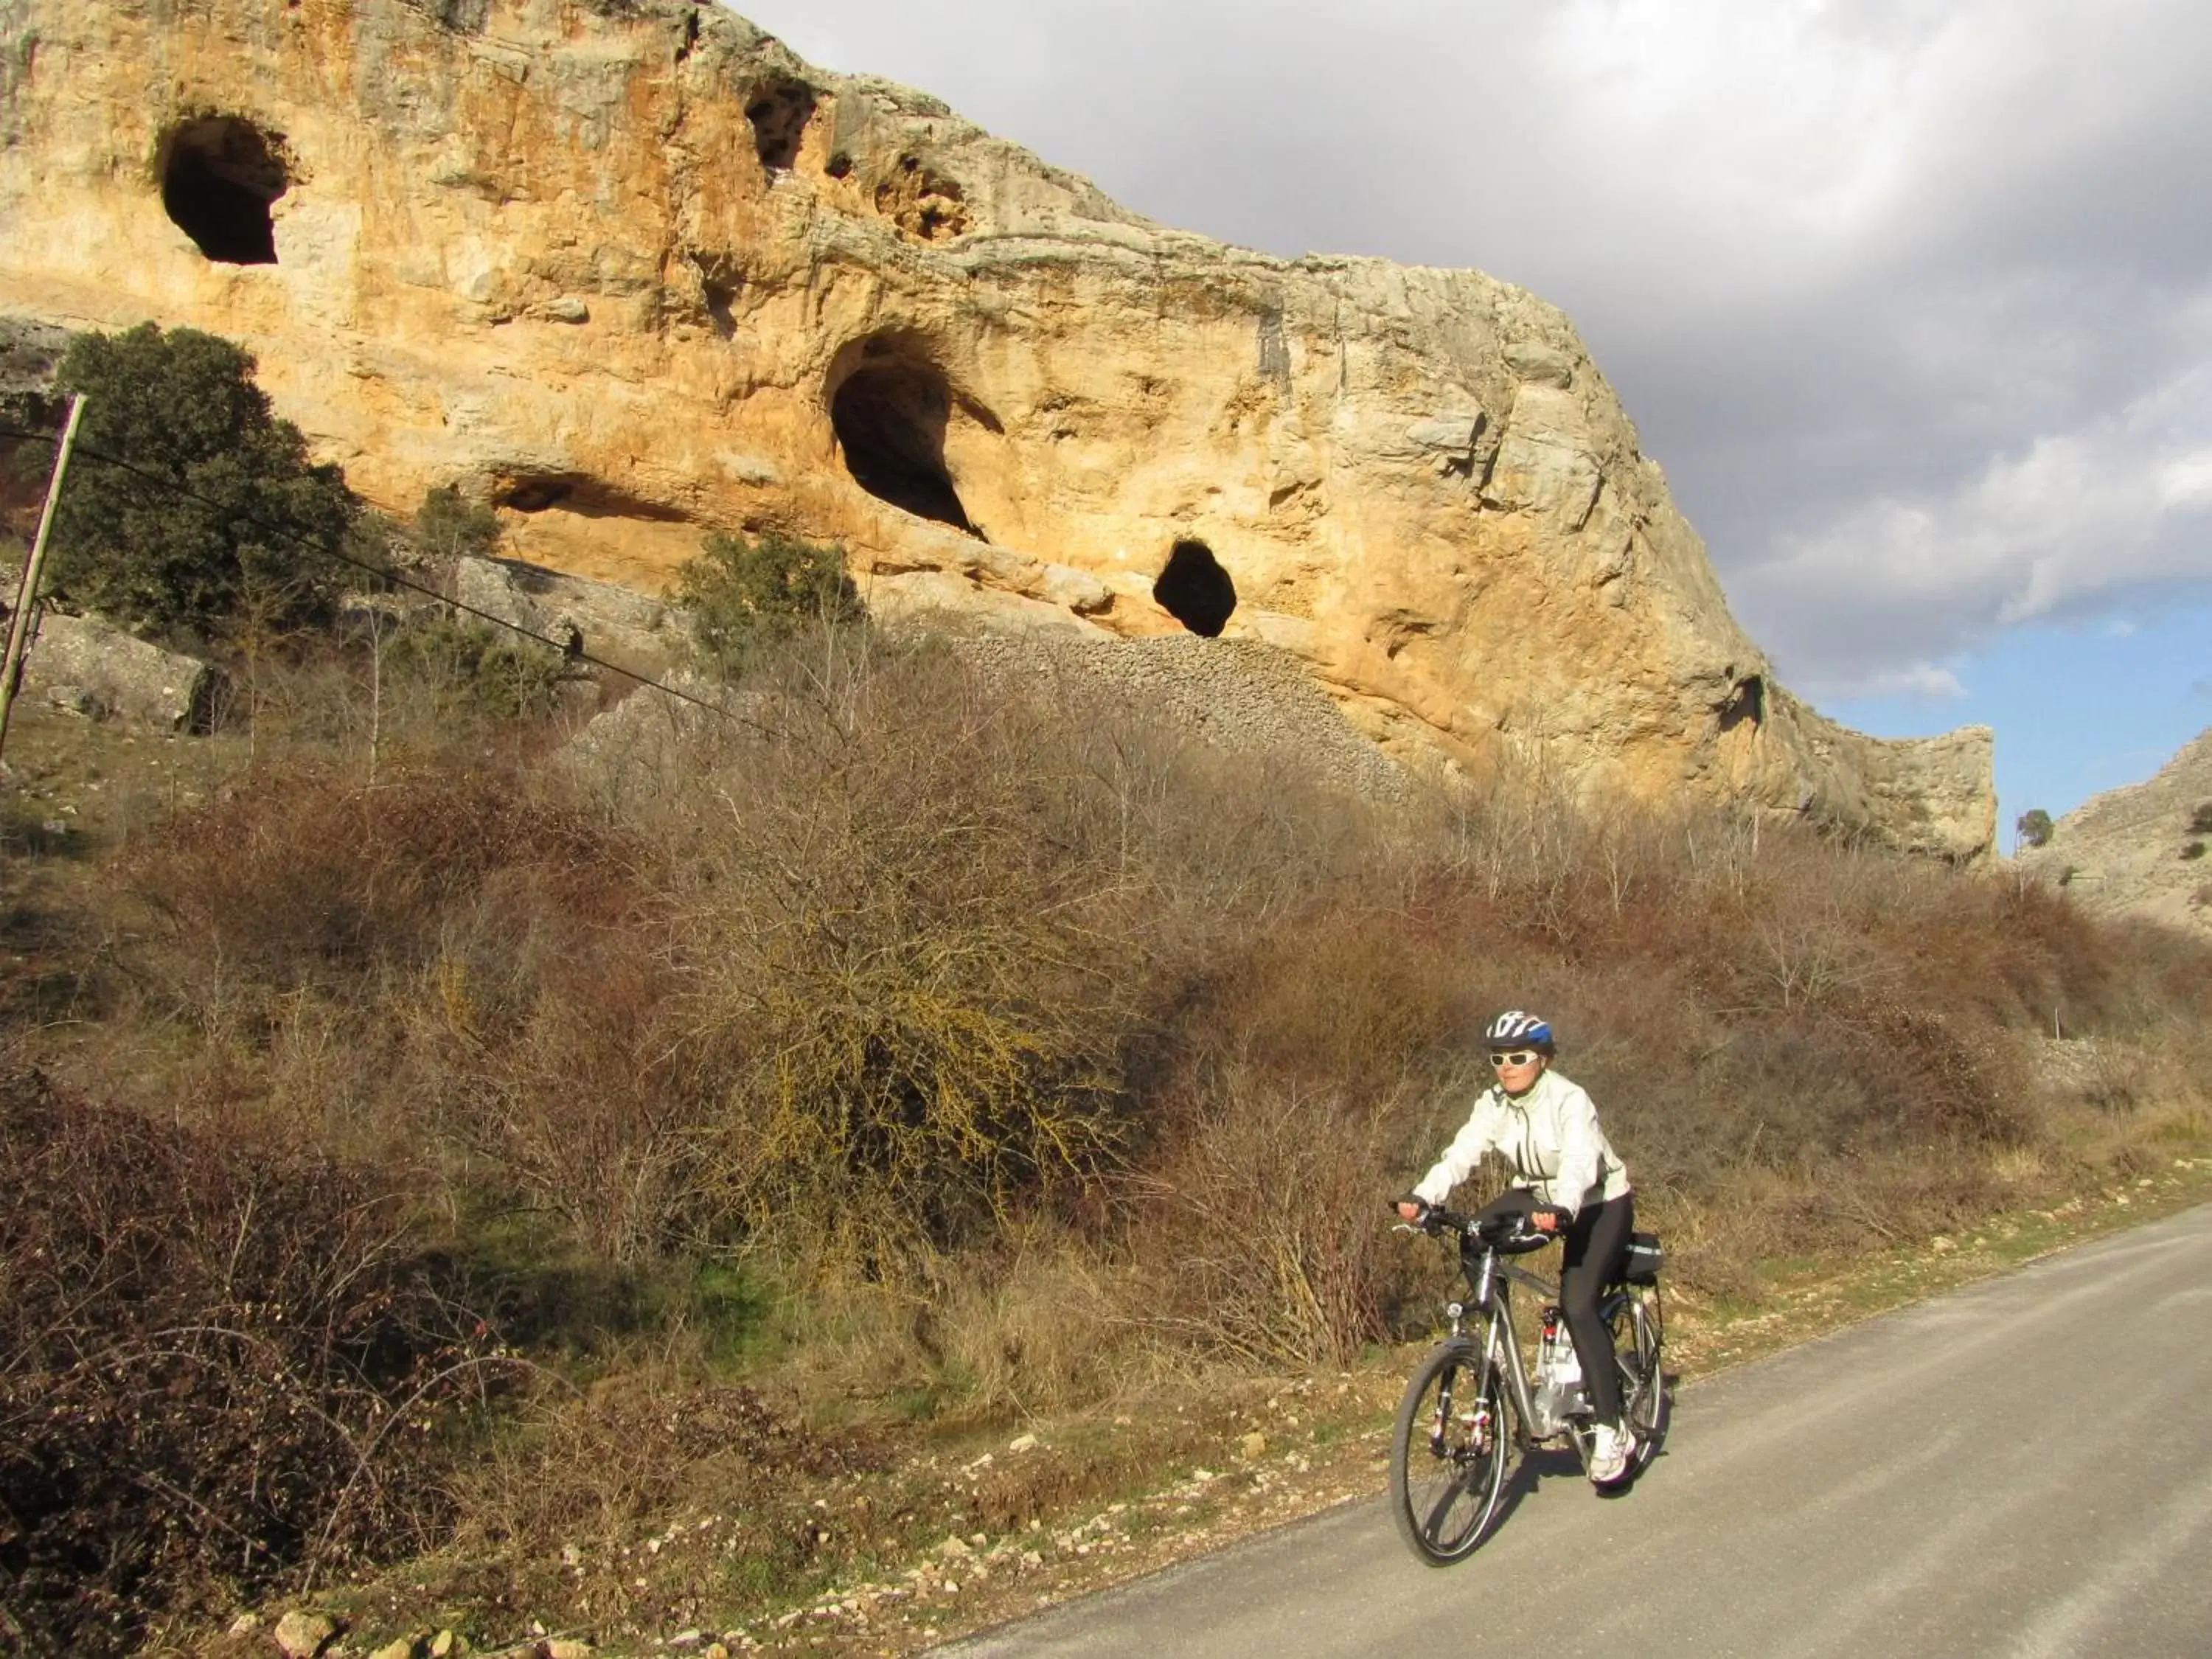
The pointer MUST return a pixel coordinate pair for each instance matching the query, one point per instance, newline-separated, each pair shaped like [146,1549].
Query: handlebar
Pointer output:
[1509,1235]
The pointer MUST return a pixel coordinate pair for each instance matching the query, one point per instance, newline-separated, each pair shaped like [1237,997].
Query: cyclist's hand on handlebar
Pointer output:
[1547,1218]
[1414,1209]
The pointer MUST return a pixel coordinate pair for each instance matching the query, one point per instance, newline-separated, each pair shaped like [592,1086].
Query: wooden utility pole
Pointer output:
[19,625]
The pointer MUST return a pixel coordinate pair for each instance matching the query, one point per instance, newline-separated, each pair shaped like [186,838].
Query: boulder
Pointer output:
[30,354]
[91,667]
[634,631]
[303,1634]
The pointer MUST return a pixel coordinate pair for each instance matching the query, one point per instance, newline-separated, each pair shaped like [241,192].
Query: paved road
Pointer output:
[2023,1468]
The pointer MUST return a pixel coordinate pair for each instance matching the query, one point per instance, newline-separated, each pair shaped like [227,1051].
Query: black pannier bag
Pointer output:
[1645,1258]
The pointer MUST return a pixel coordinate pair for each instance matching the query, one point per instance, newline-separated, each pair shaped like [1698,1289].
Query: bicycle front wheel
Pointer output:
[1448,1454]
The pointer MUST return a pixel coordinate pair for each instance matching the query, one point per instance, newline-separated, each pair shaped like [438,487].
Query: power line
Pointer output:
[380,574]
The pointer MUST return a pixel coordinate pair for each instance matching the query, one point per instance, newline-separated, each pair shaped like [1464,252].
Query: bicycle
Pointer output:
[1470,1408]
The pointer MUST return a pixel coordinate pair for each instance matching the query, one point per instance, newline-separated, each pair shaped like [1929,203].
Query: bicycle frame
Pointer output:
[1492,1287]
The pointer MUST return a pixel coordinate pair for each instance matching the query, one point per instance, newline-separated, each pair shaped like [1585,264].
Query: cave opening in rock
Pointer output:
[1746,704]
[1195,590]
[890,418]
[220,175]
[720,300]
[581,495]
[533,495]
[780,113]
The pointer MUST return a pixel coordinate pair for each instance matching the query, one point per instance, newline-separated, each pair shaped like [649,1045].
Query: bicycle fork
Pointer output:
[1475,1424]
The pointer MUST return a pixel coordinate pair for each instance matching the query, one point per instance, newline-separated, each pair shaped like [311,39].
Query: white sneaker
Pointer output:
[1610,1446]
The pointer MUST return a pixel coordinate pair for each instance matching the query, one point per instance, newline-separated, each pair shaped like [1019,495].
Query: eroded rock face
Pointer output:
[633,270]
[2141,850]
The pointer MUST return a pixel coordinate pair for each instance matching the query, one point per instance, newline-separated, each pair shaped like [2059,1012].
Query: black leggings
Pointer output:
[1597,1250]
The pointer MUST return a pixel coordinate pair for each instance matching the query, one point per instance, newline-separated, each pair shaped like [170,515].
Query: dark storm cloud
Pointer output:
[1912,299]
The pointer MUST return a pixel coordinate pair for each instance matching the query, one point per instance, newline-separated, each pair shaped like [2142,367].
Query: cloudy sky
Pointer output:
[1912,299]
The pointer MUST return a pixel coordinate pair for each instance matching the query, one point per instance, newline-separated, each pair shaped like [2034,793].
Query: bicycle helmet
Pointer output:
[1516,1028]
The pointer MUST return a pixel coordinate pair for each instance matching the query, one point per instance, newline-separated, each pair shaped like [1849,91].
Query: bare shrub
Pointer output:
[1883,1199]
[912,980]
[1042,1320]
[541,1040]
[456,973]
[307,879]
[1341,995]
[654,1436]
[1042,1324]
[224,1367]
[1264,1232]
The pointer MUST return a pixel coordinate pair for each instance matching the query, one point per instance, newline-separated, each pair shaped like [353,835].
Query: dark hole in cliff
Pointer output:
[1748,703]
[722,302]
[1195,590]
[890,424]
[534,494]
[840,165]
[580,494]
[779,113]
[220,174]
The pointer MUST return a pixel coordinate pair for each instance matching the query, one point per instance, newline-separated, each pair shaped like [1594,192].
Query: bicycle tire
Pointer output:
[1644,1393]
[1448,1450]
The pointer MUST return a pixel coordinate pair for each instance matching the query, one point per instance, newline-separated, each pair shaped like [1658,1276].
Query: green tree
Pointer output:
[744,591]
[478,670]
[2033,827]
[221,512]
[448,524]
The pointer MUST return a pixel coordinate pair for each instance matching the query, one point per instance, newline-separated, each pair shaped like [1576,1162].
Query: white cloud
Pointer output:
[1919,681]
[2124,502]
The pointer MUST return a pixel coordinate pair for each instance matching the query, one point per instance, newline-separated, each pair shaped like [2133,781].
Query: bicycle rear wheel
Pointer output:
[1448,1454]
[1636,1338]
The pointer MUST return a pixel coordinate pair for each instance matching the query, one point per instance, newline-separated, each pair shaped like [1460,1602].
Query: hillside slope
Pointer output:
[2136,851]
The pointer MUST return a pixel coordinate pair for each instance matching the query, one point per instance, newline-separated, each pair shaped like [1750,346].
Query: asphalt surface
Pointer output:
[2021,1468]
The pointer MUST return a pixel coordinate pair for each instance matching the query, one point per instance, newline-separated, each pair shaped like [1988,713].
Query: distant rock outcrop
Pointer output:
[632,271]
[2144,849]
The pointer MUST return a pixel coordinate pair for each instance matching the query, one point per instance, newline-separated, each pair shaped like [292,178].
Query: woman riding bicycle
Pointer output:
[1572,1183]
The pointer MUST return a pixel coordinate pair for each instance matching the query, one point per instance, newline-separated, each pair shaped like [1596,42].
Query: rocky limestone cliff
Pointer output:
[634,271]
[2143,850]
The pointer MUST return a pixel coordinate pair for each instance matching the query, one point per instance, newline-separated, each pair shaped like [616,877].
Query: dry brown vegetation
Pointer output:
[891,1052]
[222,1368]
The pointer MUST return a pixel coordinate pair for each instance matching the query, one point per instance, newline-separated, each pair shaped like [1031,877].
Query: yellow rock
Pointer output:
[303,1633]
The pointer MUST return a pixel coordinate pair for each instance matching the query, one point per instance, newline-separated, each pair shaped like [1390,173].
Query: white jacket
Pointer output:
[1550,1134]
